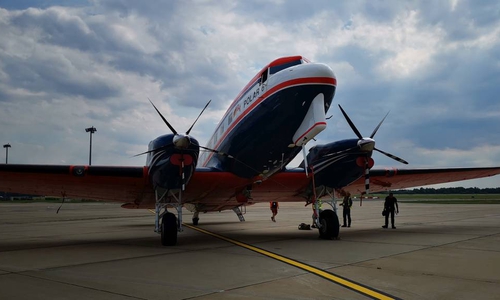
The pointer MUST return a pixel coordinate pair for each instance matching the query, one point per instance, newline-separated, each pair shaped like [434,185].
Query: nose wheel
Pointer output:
[170,224]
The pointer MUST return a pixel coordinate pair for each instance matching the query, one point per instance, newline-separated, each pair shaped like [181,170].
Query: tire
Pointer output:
[329,225]
[195,221]
[169,230]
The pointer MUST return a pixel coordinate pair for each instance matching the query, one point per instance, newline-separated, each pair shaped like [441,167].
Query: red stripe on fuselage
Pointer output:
[270,92]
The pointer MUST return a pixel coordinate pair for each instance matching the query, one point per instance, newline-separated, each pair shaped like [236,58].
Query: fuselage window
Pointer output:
[263,77]
[276,69]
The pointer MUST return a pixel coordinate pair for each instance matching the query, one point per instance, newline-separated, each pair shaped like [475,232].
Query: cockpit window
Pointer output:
[276,69]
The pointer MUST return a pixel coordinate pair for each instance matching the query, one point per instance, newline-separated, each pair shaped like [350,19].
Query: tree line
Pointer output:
[451,190]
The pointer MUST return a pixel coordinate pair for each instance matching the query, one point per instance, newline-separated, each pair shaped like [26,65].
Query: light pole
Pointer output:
[7,146]
[91,130]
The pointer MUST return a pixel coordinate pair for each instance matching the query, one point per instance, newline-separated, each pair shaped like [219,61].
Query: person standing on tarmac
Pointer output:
[320,208]
[274,209]
[346,204]
[390,204]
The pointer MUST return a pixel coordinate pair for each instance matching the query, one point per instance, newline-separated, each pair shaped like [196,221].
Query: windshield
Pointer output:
[276,69]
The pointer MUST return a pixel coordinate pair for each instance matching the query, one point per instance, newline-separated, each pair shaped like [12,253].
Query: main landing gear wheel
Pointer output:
[329,225]
[195,221]
[169,230]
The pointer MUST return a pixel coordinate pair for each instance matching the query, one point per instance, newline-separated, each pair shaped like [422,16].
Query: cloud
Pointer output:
[68,65]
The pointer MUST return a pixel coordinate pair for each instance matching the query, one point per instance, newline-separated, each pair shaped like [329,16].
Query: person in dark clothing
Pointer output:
[346,204]
[390,205]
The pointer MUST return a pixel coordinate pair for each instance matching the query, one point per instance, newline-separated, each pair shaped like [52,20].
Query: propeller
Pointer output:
[369,145]
[358,134]
[180,141]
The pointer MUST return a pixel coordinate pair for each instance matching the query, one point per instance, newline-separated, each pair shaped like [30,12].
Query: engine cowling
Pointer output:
[171,167]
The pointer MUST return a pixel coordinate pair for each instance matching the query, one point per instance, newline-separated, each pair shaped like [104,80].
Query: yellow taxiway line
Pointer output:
[364,290]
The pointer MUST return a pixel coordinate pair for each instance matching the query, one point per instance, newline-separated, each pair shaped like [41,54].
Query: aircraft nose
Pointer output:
[324,71]
[315,70]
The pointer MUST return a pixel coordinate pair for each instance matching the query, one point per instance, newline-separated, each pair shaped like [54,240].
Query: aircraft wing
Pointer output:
[105,183]
[208,190]
[394,179]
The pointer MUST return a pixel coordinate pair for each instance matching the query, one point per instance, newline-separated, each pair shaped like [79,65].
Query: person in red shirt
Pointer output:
[274,209]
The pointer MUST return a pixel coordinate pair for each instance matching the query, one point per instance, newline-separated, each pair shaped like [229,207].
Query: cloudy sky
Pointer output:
[67,65]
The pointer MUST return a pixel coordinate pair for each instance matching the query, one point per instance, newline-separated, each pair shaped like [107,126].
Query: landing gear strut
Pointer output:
[170,224]
[326,220]
[238,212]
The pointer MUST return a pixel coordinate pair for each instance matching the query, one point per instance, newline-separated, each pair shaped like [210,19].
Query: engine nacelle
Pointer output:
[171,167]
[332,163]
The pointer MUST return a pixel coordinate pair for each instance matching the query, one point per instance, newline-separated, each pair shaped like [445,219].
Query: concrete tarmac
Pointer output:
[100,251]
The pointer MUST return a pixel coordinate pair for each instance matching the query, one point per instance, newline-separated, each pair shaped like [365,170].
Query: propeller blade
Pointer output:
[340,152]
[229,156]
[367,177]
[392,156]
[164,120]
[217,152]
[154,150]
[189,130]
[378,126]
[353,127]
[142,153]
